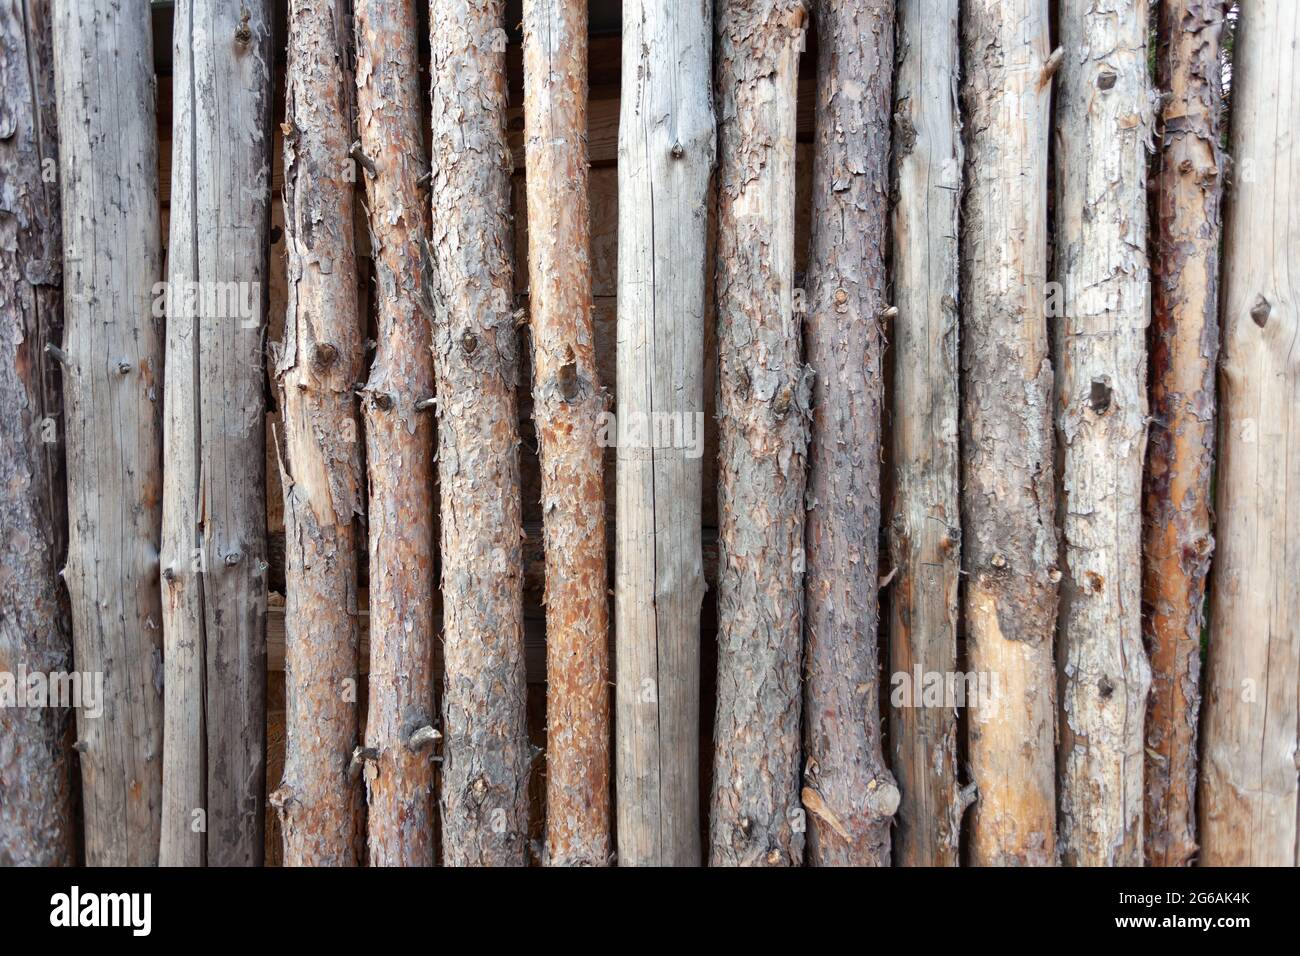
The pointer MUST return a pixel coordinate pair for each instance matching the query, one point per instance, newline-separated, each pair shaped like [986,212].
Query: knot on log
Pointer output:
[422,738]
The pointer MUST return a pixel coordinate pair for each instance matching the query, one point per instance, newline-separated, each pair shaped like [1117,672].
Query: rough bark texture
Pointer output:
[317,367]
[764,390]
[567,402]
[1103,129]
[666,146]
[112,368]
[399,442]
[848,792]
[1008,498]
[1180,456]
[925,527]
[486,751]
[36,826]
[214,491]
[1248,800]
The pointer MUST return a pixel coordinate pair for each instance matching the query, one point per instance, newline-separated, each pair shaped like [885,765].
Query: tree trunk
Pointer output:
[1103,127]
[1180,459]
[486,754]
[1248,778]
[317,367]
[848,791]
[1008,501]
[112,370]
[399,442]
[36,825]
[568,403]
[764,391]
[925,530]
[214,490]
[665,159]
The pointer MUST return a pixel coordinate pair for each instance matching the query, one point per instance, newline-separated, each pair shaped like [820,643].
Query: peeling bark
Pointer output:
[848,791]
[1008,498]
[764,392]
[399,442]
[1248,799]
[925,528]
[1180,456]
[36,825]
[1104,121]
[568,402]
[317,368]
[486,753]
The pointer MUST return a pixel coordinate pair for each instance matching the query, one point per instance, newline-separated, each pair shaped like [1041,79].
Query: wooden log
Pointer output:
[665,157]
[848,791]
[568,403]
[1248,798]
[112,359]
[1180,456]
[317,368]
[399,442]
[486,753]
[214,579]
[925,523]
[36,823]
[1103,126]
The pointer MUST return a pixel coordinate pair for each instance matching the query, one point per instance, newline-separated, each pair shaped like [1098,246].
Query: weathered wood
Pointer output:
[112,359]
[1103,126]
[848,792]
[317,368]
[1008,499]
[1248,796]
[36,824]
[1180,456]
[399,442]
[665,157]
[925,527]
[214,580]
[486,754]
[764,393]
[568,401]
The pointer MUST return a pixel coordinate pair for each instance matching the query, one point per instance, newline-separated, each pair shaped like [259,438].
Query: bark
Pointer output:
[665,158]
[568,402]
[1180,457]
[36,825]
[112,370]
[317,368]
[764,391]
[214,576]
[925,527]
[1008,498]
[1248,794]
[1103,129]
[848,792]
[399,442]
[486,753]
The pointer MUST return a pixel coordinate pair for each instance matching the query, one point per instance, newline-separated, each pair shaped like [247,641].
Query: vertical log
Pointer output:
[1248,778]
[666,147]
[214,491]
[1103,129]
[925,528]
[486,751]
[764,391]
[112,368]
[1180,456]
[1008,498]
[848,791]
[568,402]
[36,826]
[399,442]
[317,367]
